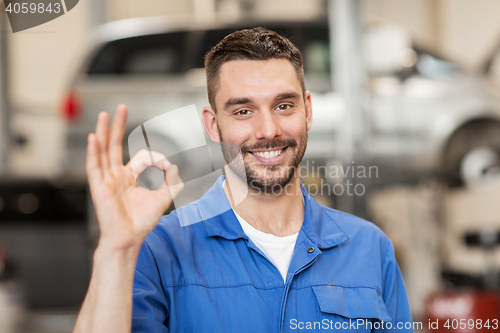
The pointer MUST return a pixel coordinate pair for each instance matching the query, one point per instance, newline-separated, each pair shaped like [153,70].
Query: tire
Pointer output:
[472,158]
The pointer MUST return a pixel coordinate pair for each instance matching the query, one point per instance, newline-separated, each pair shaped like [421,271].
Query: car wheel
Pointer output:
[473,156]
[480,168]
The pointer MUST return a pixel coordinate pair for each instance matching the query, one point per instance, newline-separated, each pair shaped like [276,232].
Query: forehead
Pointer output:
[256,78]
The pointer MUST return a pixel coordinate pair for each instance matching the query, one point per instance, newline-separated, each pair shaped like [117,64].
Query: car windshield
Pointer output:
[150,54]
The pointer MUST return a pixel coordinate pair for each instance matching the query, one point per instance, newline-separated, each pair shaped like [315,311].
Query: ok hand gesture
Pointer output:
[126,212]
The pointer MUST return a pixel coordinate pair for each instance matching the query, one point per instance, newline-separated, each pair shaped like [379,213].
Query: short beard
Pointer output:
[254,182]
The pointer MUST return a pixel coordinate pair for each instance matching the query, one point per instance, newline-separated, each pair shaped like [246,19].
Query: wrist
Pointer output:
[108,253]
[120,242]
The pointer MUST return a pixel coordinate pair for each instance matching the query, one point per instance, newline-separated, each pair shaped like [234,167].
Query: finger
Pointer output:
[146,158]
[102,132]
[116,136]
[173,182]
[92,165]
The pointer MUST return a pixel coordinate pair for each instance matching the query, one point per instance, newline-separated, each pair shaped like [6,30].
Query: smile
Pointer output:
[268,154]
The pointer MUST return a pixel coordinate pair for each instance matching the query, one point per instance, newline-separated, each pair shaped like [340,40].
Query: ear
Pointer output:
[308,108]
[209,119]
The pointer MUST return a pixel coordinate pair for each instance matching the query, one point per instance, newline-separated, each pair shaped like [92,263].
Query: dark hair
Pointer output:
[250,44]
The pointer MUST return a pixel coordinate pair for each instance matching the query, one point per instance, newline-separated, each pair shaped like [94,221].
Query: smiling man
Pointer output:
[275,262]
[269,118]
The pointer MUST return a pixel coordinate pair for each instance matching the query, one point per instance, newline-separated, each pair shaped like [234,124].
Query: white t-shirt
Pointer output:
[279,250]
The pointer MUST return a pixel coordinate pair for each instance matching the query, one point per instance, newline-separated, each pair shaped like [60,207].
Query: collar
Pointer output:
[219,219]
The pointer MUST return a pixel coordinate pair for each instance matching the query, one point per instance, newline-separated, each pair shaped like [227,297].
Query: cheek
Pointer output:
[236,132]
[295,128]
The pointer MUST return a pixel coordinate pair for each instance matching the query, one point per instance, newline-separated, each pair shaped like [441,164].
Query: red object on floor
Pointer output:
[463,311]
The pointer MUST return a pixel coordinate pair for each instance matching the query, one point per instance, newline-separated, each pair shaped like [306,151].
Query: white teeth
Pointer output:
[269,154]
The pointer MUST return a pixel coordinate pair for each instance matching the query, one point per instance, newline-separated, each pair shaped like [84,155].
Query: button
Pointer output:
[310,250]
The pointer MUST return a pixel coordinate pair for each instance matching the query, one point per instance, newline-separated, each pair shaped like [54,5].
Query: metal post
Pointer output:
[4,95]
[348,79]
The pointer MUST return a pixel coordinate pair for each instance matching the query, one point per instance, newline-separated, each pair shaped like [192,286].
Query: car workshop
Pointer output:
[401,105]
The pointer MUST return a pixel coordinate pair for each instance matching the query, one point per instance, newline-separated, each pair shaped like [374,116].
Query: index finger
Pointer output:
[146,158]
[116,136]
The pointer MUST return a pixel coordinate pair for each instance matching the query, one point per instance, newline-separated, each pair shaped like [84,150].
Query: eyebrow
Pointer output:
[237,101]
[245,100]
[287,95]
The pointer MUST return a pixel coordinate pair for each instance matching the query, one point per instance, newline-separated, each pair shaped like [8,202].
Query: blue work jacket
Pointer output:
[210,277]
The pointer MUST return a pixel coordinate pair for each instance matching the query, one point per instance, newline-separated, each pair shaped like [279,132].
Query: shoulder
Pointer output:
[352,223]
[359,230]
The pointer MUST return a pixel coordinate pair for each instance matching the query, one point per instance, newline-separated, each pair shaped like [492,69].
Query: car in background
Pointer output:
[424,114]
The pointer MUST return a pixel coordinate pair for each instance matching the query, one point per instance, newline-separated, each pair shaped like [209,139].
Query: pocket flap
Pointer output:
[357,302]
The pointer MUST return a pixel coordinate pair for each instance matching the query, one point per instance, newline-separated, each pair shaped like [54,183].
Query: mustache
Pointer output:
[268,144]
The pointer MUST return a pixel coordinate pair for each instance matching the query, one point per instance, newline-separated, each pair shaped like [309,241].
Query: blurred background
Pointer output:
[406,133]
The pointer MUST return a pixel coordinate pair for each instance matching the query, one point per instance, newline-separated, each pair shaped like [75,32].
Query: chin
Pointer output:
[269,183]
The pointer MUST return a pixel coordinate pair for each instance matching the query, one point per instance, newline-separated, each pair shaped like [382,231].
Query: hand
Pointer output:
[126,212]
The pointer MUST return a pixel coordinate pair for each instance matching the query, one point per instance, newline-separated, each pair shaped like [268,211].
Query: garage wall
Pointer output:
[419,17]
[122,9]
[469,28]
[462,30]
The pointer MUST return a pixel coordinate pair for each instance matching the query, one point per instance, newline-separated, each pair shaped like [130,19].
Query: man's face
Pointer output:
[261,108]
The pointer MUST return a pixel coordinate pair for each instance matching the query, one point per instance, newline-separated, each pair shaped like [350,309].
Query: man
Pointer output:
[275,262]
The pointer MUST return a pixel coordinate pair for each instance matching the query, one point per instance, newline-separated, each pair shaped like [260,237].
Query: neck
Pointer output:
[280,215]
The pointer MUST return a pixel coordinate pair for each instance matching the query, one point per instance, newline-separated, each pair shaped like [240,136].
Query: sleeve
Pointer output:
[394,295]
[150,303]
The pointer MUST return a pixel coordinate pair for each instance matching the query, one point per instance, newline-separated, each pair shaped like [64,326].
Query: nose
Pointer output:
[267,126]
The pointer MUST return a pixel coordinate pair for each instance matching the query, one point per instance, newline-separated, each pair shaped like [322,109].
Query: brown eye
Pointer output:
[283,107]
[243,112]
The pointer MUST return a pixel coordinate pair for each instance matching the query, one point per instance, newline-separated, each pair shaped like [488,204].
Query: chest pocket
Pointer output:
[351,304]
